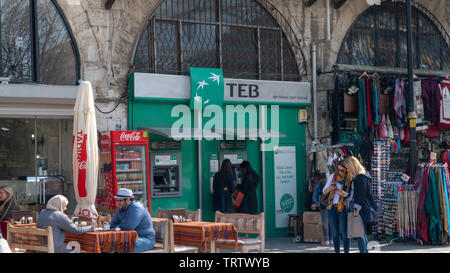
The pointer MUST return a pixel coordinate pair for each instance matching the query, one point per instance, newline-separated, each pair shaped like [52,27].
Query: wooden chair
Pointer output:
[179,248]
[30,238]
[162,236]
[194,215]
[18,214]
[244,223]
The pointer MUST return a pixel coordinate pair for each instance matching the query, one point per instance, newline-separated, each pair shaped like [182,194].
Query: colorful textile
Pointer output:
[431,206]
[105,241]
[400,103]
[369,104]
[199,233]
[444,86]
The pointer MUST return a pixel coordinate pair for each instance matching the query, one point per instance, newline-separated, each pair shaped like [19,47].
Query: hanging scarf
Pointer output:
[340,180]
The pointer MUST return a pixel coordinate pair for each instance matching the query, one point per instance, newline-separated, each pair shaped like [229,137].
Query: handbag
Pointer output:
[355,226]
[324,199]
[237,198]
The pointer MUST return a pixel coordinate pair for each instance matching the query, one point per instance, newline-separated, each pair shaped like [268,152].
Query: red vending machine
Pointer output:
[123,164]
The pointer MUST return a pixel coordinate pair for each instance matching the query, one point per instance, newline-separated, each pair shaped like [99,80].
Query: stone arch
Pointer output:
[297,42]
[351,10]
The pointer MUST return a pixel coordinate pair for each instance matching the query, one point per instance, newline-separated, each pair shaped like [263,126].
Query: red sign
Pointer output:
[105,142]
[129,136]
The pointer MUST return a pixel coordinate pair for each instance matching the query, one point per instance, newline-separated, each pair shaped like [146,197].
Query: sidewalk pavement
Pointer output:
[287,245]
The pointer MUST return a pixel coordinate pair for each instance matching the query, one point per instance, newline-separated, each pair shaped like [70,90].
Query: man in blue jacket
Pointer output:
[131,215]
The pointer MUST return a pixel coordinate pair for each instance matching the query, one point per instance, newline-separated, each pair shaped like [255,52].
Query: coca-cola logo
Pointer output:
[105,142]
[134,136]
[82,165]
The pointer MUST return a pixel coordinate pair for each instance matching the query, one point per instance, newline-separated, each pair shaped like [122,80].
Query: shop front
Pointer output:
[240,120]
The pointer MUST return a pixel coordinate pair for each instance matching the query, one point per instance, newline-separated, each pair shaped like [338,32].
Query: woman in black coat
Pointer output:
[223,187]
[250,180]
[361,200]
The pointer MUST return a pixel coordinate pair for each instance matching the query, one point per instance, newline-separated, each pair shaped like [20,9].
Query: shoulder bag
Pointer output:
[237,198]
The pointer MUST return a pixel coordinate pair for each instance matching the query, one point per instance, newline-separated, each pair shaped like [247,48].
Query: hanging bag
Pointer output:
[355,226]
[237,198]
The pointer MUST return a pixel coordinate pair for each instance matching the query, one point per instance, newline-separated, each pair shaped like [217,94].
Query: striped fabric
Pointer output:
[199,233]
[105,241]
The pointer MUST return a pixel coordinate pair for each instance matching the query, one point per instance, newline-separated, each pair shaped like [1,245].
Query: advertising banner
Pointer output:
[285,184]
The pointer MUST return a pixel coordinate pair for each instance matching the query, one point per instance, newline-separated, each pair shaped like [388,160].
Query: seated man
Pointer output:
[131,215]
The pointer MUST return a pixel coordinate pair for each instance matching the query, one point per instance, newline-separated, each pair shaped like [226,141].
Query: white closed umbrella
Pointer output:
[85,152]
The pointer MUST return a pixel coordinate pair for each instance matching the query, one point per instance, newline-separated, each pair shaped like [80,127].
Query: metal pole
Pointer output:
[411,112]
[314,86]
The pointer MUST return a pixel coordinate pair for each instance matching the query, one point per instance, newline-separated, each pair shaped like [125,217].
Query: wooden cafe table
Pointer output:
[200,234]
[122,241]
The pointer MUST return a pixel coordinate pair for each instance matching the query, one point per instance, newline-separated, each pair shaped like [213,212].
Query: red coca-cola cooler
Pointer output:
[123,164]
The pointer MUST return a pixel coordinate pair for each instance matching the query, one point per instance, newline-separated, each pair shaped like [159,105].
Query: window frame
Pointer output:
[35,54]
[151,64]
[419,17]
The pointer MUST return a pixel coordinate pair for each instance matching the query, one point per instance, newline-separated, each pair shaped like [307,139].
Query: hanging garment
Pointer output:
[421,123]
[441,201]
[389,127]
[431,97]
[447,192]
[376,99]
[444,87]
[369,104]
[423,218]
[400,103]
[383,128]
[362,112]
[445,203]
[431,206]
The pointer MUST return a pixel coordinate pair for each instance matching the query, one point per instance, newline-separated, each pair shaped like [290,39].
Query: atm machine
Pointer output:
[165,174]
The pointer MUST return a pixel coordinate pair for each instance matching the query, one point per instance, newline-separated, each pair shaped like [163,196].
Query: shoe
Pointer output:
[325,243]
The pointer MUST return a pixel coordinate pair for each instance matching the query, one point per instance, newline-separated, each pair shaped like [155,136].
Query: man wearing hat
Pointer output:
[131,215]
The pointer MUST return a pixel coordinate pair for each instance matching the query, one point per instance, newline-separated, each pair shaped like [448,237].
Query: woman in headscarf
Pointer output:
[8,203]
[223,187]
[248,186]
[53,216]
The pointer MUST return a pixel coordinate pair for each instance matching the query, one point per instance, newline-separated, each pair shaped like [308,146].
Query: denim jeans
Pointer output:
[338,221]
[326,228]
[143,244]
[362,243]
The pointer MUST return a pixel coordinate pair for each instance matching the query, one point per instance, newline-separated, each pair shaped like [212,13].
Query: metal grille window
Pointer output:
[239,36]
[378,38]
[36,44]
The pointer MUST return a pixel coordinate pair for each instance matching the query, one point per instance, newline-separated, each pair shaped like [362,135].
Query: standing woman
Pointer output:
[8,203]
[361,201]
[223,187]
[250,180]
[337,187]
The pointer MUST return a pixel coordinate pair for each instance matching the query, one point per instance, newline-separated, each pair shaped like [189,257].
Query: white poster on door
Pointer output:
[285,184]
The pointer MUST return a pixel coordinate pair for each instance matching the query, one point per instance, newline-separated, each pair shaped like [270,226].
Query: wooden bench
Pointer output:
[30,238]
[247,224]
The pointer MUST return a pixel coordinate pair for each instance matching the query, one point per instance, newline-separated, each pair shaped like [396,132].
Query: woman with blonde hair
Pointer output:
[53,216]
[8,203]
[337,189]
[361,202]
